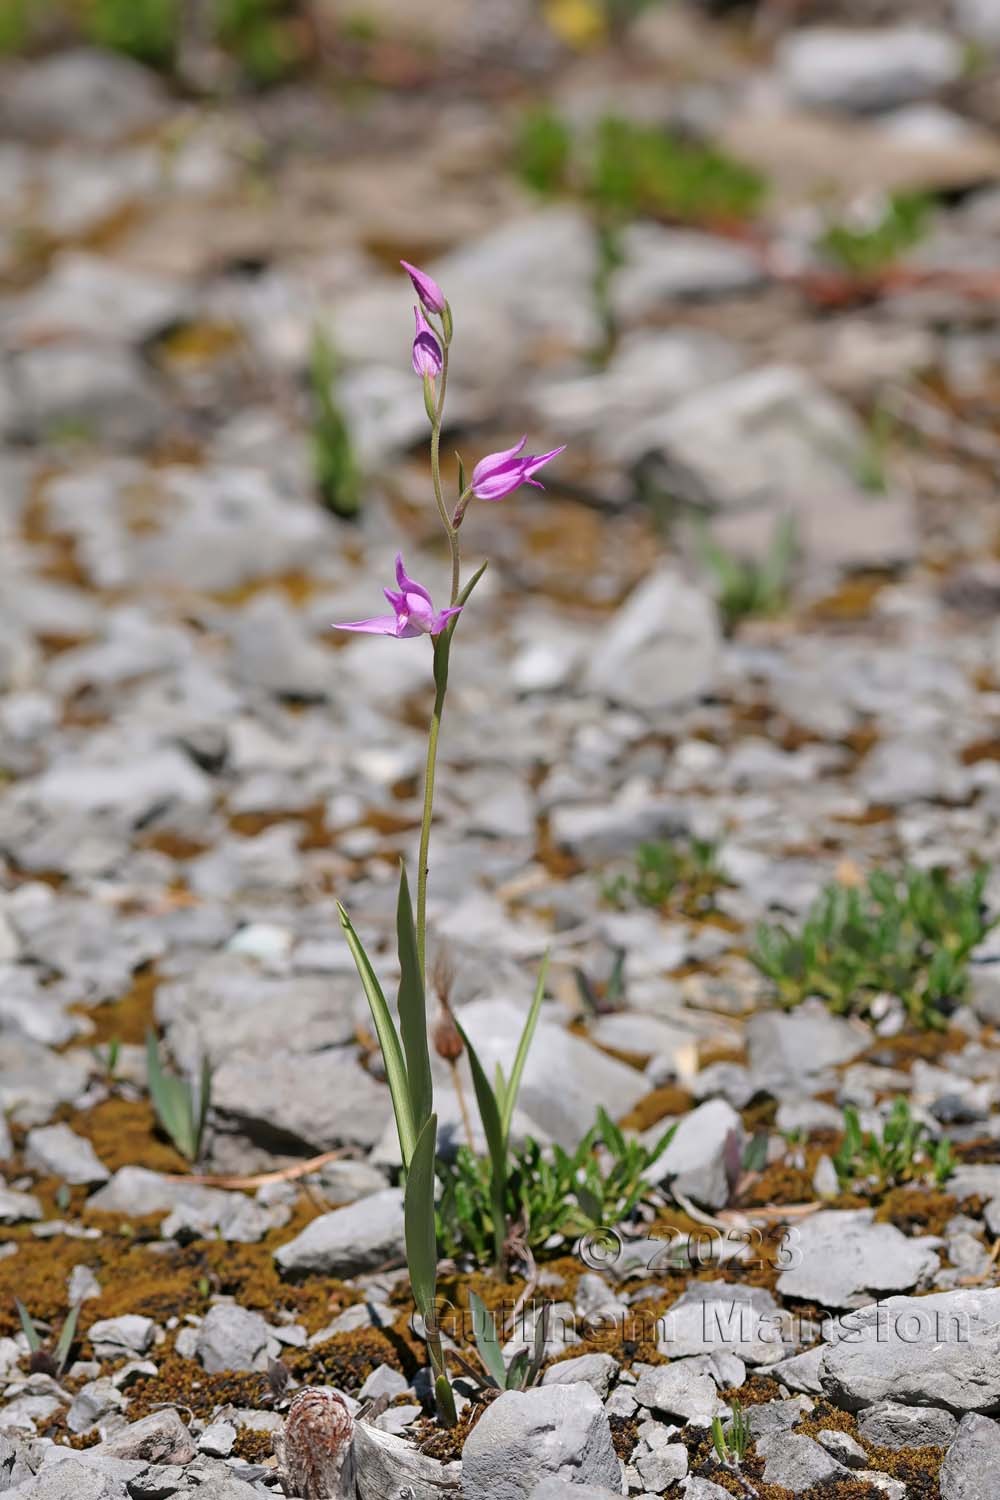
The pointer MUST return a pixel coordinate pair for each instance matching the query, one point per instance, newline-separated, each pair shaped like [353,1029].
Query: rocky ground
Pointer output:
[194,769]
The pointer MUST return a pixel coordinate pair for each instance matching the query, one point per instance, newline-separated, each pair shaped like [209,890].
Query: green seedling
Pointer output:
[42,1359]
[181,1106]
[874,245]
[525,1367]
[732,1440]
[682,873]
[745,588]
[904,1151]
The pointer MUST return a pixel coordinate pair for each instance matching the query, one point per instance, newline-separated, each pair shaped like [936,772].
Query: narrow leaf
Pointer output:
[388,1040]
[496,1144]
[523,1048]
[413,1009]
[517,1372]
[485,1333]
[28,1324]
[204,1099]
[66,1336]
[541,1334]
[418,1211]
[445,1399]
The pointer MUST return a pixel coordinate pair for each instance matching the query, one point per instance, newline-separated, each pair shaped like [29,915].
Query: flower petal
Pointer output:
[407,584]
[535,462]
[494,461]
[378,625]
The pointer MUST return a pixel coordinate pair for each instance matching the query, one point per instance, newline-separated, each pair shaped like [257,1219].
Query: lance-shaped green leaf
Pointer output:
[66,1335]
[513,1086]
[174,1103]
[28,1325]
[413,1010]
[485,1333]
[388,1040]
[419,1225]
[496,1144]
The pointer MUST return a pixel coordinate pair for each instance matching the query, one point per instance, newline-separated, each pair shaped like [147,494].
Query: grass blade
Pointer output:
[388,1040]
[204,1099]
[413,1010]
[485,1333]
[523,1048]
[66,1336]
[418,1207]
[496,1144]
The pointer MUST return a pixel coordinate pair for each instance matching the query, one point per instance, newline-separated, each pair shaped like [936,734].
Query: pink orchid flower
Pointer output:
[498,474]
[413,612]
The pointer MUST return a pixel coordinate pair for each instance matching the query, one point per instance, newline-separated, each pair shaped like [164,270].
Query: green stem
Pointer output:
[442,647]
[450,530]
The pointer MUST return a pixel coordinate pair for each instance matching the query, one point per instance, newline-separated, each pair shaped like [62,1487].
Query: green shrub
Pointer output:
[907,935]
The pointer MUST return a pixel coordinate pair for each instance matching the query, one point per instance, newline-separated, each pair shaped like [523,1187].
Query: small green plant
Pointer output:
[15,28]
[682,873]
[525,1366]
[264,36]
[627,170]
[744,587]
[550,1194]
[732,1440]
[338,477]
[905,1151]
[639,170]
[181,1106]
[43,1359]
[107,1058]
[908,934]
[543,150]
[873,469]
[148,30]
[868,247]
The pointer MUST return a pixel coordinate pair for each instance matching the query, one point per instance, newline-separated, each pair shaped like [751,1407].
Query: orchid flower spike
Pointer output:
[413,612]
[499,473]
[427,356]
[426,288]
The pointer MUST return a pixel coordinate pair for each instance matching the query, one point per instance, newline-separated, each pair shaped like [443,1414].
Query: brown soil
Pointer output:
[656,1106]
[917,1210]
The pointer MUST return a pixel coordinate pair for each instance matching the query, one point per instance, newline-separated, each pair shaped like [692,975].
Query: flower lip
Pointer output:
[498,474]
[426,357]
[426,288]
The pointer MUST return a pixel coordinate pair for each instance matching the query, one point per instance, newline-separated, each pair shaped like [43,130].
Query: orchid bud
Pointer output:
[426,288]
[427,358]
